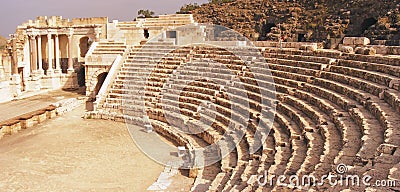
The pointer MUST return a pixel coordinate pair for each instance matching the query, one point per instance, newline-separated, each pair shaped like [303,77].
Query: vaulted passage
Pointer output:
[367,23]
[100,80]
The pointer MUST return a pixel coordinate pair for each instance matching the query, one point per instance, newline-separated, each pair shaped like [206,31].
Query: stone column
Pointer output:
[33,54]
[14,62]
[15,78]
[40,71]
[50,54]
[70,61]
[57,57]
[97,32]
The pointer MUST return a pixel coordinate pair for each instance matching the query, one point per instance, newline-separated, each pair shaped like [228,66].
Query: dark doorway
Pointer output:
[301,38]
[171,34]
[367,23]
[84,45]
[81,76]
[267,28]
[146,33]
[100,80]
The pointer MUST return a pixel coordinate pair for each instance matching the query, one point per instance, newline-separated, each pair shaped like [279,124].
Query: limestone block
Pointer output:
[361,41]
[26,121]
[6,130]
[41,116]
[356,41]
[348,41]
[51,113]
[16,127]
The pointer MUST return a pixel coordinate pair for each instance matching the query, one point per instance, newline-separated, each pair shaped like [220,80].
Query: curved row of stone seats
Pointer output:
[391,96]
[295,84]
[384,71]
[283,152]
[337,99]
[314,140]
[358,83]
[379,115]
[349,132]
[367,99]
[332,137]
[122,92]
[296,140]
[329,131]
[372,124]
[387,76]
[344,124]
[392,60]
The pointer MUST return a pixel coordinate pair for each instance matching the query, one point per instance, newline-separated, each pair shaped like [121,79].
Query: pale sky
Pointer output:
[16,12]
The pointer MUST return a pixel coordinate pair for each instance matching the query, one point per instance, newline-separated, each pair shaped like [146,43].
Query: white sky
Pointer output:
[16,12]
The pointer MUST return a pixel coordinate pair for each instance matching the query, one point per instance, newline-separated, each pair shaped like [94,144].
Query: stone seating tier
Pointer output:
[331,108]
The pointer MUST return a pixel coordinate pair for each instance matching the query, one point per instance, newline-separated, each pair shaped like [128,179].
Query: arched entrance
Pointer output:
[146,33]
[100,80]
[367,23]
[265,29]
[93,88]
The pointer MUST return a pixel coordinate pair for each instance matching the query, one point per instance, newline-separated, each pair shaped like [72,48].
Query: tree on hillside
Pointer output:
[188,8]
[220,1]
[145,13]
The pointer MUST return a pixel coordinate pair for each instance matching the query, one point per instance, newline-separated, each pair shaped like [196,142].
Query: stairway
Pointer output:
[137,61]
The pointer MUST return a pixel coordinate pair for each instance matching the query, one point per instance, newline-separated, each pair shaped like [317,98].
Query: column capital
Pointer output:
[69,32]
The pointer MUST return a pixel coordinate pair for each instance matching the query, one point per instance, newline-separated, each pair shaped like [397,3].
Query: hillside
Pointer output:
[305,20]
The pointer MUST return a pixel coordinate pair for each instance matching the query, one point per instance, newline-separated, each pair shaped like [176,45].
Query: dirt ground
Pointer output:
[73,154]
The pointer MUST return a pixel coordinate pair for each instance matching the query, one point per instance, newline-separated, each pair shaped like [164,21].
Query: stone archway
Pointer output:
[93,81]
[100,80]
[93,86]
[367,23]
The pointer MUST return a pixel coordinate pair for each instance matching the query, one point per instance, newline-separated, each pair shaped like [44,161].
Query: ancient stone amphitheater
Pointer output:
[332,109]
[325,108]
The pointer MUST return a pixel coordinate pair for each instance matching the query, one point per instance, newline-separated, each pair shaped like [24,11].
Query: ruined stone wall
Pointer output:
[300,20]
[387,29]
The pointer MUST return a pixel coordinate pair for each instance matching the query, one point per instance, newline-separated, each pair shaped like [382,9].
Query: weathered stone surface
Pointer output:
[347,49]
